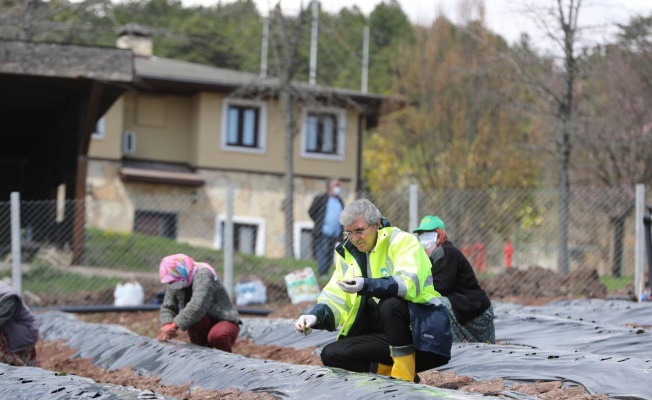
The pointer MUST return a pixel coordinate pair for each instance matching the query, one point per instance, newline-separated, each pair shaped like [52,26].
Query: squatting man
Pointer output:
[381,296]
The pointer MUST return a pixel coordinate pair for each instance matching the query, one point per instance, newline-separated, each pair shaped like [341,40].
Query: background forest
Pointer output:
[482,114]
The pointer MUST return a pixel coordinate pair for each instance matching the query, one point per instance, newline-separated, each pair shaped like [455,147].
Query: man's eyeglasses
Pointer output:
[357,232]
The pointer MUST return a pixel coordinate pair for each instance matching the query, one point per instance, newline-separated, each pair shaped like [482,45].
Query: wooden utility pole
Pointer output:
[313,42]
[285,45]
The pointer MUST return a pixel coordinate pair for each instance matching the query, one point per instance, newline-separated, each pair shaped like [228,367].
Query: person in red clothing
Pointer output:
[468,306]
[196,301]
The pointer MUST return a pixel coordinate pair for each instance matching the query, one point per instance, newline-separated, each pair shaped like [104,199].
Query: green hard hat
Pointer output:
[430,223]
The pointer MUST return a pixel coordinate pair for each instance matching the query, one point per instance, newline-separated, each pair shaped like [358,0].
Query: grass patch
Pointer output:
[143,253]
[615,283]
[42,278]
[135,252]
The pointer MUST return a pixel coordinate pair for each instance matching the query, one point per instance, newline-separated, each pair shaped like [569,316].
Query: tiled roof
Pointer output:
[165,69]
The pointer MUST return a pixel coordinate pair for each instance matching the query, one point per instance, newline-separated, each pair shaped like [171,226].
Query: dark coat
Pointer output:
[453,277]
[317,212]
[19,327]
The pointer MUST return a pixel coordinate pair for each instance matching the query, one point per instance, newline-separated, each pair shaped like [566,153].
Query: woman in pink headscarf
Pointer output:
[196,301]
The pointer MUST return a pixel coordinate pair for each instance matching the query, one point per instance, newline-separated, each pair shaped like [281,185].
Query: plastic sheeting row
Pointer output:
[114,347]
[36,383]
[592,343]
[597,344]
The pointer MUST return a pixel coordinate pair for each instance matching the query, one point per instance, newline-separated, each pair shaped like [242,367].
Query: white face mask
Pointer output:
[176,285]
[428,241]
[337,190]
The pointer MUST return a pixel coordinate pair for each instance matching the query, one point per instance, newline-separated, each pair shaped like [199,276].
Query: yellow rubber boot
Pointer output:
[382,369]
[404,362]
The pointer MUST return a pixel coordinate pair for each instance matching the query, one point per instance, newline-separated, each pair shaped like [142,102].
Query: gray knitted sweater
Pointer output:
[206,296]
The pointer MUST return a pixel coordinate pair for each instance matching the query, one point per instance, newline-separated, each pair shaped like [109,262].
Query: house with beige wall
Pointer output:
[167,153]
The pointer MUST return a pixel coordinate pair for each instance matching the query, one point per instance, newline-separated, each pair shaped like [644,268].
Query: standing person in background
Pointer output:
[469,307]
[18,329]
[327,231]
[392,322]
[196,301]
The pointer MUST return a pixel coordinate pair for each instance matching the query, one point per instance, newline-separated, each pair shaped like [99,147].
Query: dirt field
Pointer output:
[57,356]
[532,286]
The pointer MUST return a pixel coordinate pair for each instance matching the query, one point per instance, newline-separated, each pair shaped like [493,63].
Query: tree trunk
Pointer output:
[568,22]
[564,203]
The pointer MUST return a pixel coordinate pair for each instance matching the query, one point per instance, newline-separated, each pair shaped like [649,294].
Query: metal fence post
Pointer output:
[16,277]
[414,207]
[639,244]
[228,243]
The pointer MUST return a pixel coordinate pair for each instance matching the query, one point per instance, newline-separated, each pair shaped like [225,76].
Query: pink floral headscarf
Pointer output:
[180,267]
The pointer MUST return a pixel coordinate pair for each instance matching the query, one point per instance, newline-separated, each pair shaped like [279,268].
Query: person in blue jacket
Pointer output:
[325,210]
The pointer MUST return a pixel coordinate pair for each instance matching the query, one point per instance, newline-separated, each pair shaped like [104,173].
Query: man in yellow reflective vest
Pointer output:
[381,296]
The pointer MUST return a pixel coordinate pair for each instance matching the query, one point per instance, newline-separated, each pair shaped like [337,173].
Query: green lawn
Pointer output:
[141,253]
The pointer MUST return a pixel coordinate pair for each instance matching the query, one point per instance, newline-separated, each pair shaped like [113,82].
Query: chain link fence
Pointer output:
[76,253]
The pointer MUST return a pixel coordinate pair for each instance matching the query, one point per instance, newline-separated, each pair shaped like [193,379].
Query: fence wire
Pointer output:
[76,253]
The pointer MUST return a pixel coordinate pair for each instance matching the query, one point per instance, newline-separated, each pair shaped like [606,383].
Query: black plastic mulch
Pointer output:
[602,345]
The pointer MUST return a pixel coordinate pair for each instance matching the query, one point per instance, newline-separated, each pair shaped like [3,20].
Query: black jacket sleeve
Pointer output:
[325,319]
[380,287]
[317,208]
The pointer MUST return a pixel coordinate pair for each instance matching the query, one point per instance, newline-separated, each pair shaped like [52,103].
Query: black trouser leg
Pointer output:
[357,353]
[395,318]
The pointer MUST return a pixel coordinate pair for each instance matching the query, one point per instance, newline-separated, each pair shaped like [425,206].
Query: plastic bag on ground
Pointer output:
[128,294]
[250,292]
[302,285]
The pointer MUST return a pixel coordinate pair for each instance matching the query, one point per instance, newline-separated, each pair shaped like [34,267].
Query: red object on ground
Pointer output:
[508,250]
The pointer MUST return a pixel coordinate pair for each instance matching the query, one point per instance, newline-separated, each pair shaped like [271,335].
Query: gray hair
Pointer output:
[357,208]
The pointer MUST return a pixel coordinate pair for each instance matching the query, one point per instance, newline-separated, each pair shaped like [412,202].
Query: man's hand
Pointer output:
[167,332]
[305,323]
[352,285]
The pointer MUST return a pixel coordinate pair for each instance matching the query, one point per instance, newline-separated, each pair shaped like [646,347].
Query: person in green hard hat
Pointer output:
[469,308]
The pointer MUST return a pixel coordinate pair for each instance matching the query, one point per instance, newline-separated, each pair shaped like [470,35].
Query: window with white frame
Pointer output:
[244,125]
[323,133]
[303,240]
[99,129]
[248,235]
